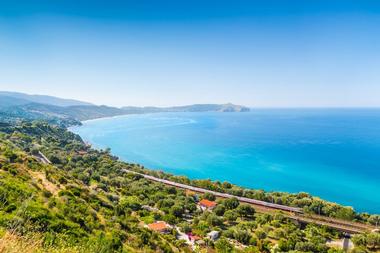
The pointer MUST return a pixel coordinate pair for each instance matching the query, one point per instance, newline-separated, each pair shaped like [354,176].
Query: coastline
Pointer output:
[147,113]
[170,171]
[105,118]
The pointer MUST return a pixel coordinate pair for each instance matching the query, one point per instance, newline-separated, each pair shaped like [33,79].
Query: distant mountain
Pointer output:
[32,111]
[189,108]
[209,107]
[18,106]
[68,113]
[40,99]
[6,101]
[93,112]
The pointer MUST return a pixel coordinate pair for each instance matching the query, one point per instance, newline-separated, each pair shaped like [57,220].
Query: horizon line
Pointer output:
[197,103]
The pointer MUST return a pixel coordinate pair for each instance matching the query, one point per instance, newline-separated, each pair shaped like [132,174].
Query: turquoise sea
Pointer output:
[330,153]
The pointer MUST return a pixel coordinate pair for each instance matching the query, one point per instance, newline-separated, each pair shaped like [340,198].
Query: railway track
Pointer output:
[293,213]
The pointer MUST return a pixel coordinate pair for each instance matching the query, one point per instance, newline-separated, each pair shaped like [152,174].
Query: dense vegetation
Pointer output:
[85,202]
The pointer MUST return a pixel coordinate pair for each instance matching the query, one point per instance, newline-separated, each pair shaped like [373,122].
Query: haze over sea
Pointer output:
[330,153]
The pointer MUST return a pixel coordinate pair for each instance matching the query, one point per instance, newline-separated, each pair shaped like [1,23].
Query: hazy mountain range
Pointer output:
[17,98]
[14,105]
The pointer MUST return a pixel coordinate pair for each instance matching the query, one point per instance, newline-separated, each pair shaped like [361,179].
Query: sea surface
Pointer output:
[330,153]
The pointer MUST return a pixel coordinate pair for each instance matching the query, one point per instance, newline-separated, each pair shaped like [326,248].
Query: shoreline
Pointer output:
[104,118]
[134,114]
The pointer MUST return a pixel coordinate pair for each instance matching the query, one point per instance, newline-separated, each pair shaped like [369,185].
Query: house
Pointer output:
[213,235]
[206,204]
[160,227]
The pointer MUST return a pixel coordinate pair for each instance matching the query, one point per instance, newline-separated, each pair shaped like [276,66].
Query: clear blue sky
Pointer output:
[257,53]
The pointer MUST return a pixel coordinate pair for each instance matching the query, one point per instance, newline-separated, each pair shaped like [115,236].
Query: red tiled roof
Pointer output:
[207,203]
[158,226]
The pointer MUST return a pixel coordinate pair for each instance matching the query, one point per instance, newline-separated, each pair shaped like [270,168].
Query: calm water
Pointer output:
[334,154]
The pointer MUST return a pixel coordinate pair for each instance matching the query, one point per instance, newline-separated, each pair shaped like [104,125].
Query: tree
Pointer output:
[246,210]
[359,240]
[186,228]
[231,203]
[223,246]
[260,234]
[285,245]
[346,213]
[219,210]
[242,236]
[230,215]
[226,185]
[373,241]
[177,211]
[374,220]
[55,159]
[317,207]
[170,218]
[214,220]
[209,196]
[131,202]
[12,156]
[251,249]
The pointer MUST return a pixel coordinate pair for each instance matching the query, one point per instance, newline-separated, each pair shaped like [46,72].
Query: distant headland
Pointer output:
[14,106]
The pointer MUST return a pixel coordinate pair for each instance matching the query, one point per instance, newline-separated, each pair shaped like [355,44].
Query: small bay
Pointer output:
[330,153]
